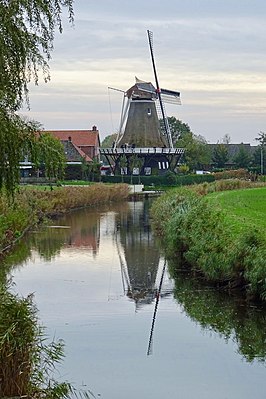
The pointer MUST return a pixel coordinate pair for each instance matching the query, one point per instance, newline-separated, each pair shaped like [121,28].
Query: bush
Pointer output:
[232,174]
[169,179]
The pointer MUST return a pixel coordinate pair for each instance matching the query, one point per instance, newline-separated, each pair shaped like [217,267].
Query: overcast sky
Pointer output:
[212,51]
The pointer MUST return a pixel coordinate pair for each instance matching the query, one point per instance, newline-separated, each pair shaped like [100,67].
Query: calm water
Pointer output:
[96,276]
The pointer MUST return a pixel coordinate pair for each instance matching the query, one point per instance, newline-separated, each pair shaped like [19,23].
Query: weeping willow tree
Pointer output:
[50,152]
[27,29]
[17,138]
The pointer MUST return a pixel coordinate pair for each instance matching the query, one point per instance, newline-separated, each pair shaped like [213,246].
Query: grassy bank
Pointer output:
[220,239]
[31,205]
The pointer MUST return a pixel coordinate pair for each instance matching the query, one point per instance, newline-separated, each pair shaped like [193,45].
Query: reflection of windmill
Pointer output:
[138,255]
[149,351]
[144,130]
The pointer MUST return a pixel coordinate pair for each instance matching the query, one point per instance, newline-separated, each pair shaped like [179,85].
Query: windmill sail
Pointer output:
[170,96]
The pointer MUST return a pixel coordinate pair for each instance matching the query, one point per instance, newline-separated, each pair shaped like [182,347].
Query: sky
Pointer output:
[212,51]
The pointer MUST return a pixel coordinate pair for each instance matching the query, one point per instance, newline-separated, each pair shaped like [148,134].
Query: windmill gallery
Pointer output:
[143,145]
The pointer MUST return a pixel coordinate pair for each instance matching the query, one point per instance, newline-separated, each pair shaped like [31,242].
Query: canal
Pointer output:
[101,283]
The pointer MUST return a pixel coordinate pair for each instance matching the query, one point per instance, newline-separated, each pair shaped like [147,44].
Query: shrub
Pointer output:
[232,174]
[168,179]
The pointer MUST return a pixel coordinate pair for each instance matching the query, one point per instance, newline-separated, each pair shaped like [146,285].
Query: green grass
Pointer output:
[41,187]
[244,208]
[76,183]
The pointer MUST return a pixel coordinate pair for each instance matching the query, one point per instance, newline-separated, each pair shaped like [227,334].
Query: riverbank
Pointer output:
[225,247]
[30,206]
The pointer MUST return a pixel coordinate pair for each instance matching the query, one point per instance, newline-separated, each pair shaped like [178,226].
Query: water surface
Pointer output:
[96,276]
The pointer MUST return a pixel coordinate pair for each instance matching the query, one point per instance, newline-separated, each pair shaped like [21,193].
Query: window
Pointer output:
[147,171]
[135,171]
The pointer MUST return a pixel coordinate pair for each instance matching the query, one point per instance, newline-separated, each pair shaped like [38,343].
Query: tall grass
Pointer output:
[205,236]
[225,185]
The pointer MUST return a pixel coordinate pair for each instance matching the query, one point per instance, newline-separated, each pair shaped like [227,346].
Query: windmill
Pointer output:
[144,130]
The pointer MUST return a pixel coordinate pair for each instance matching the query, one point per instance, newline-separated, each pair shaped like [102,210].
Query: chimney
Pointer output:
[94,128]
[69,138]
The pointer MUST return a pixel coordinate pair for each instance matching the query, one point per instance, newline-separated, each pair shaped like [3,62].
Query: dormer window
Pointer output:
[149,111]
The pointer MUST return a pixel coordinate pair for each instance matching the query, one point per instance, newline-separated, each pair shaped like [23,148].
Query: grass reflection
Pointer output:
[228,315]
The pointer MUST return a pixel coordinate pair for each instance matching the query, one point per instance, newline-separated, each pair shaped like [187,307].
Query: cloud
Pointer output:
[212,51]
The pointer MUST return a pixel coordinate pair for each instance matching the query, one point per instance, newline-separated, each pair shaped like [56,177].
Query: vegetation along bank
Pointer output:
[218,233]
[31,205]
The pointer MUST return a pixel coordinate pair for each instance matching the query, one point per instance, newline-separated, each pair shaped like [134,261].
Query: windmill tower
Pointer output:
[144,132]
[142,127]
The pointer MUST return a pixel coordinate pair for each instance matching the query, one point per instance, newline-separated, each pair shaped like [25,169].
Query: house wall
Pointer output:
[91,151]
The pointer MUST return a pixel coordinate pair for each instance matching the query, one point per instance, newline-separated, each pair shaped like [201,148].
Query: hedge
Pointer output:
[164,180]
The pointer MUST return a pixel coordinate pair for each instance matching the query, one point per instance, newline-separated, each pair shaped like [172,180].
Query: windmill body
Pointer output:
[142,127]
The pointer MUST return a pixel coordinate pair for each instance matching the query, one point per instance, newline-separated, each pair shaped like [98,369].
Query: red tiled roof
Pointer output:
[78,137]
[81,153]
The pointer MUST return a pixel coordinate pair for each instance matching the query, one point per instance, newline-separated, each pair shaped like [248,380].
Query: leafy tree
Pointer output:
[84,169]
[94,169]
[220,155]
[197,153]
[123,166]
[226,139]
[178,129]
[109,140]
[108,143]
[136,162]
[27,29]
[259,159]
[262,140]
[17,138]
[52,155]
[242,158]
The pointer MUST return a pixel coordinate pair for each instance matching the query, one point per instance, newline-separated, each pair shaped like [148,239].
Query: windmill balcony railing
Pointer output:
[141,150]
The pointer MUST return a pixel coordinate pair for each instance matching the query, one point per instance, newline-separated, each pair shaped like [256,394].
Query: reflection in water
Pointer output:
[78,229]
[128,224]
[73,230]
[149,351]
[227,315]
[141,257]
